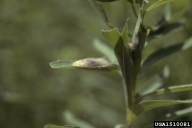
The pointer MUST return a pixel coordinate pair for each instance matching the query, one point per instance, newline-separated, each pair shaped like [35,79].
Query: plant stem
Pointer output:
[138,23]
[134,10]
[125,91]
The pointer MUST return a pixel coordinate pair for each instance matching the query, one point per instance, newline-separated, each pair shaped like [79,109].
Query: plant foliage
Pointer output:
[130,63]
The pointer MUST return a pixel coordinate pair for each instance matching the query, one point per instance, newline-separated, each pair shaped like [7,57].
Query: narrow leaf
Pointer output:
[142,36]
[124,33]
[164,52]
[99,9]
[138,23]
[179,113]
[187,44]
[123,56]
[159,23]
[146,105]
[163,30]
[100,64]
[104,49]
[120,126]
[112,36]
[138,40]
[154,83]
[138,47]
[158,3]
[174,115]
[56,126]
[173,89]
[167,23]
[176,16]
[70,118]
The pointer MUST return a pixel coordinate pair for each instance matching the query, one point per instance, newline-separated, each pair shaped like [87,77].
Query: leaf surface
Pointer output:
[173,89]
[164,52]
[125,62]
[154,83]
[112,36]
[123,55]
[157,4]
[56,126]
[163,30]
[99,64]
[70,118]
[174,115]
[104,49]
[99,9]
[146,105]
[124,33]
[179,113]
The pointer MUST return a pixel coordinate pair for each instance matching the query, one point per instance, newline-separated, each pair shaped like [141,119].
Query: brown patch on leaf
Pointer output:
[91,62]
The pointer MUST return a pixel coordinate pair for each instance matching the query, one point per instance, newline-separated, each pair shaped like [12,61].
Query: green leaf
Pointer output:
[142,37]
[100,64]
[123,56]
[99,9]
[163,30]
[104,49]
[146,105]
[158,3]
[70,118]
[173,89]
[161,53]
[150,86]
[176,16]
[56,126]
[138,40]
[154,83]
[164,52]
[137,26]
[124,33]
[174,115]
[120,126]
[179,113]
[138,46]
[112,36]
[187,44]
[167,23]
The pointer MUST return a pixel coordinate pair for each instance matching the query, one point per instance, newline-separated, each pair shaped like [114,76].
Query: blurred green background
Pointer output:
[35,33]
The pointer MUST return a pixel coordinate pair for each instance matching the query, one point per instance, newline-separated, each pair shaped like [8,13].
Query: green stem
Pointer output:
[134,10]
[138,23]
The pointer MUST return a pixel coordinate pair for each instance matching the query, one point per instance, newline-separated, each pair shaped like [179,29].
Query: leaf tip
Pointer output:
[52,64]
